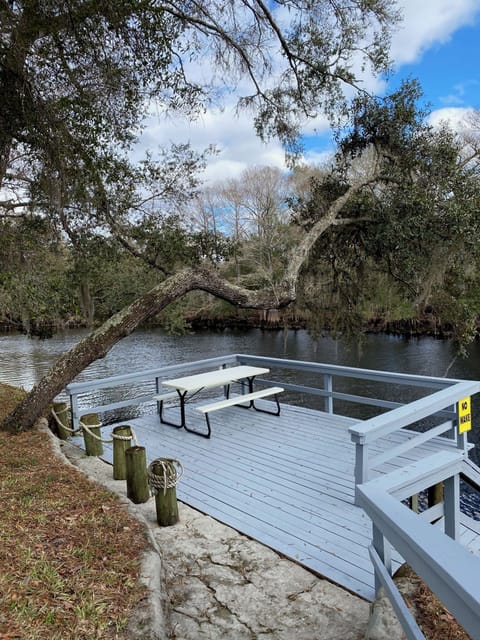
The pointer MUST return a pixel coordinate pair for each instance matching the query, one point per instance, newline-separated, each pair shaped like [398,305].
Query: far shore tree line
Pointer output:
[387,228]
[402,248]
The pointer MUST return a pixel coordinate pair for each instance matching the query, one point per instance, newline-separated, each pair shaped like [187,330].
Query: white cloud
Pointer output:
[429,22]
[426,23]
[458,96]
[456,117]
[232,134]
[317,157]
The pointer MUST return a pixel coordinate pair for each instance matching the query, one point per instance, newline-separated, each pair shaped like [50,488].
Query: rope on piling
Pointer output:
[60,424]
[88,428]
[133,437]
[83,427]
[172,472]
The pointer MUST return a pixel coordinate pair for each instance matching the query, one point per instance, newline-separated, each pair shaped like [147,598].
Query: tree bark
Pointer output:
[99,343]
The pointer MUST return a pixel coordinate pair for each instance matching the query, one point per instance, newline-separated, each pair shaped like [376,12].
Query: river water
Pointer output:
[23,361]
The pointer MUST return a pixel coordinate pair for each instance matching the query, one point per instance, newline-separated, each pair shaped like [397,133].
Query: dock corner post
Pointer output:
[328,386]
[74,412]
[384,550]
[452,506]
[157,392]
[361,465]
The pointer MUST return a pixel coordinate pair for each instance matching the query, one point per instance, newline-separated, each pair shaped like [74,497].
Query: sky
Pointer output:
[438,43]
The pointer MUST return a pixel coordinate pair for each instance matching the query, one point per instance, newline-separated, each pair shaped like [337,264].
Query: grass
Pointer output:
[69,552]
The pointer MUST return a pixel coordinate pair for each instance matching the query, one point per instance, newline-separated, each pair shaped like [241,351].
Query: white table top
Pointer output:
[216,378]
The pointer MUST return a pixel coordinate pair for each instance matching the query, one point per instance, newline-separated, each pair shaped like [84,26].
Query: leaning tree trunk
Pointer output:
[98,343]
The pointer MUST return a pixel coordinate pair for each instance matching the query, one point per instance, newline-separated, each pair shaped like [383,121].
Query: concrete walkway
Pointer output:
[207,582]
[226,586]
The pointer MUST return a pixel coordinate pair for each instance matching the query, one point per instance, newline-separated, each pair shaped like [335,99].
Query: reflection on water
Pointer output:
[23,361]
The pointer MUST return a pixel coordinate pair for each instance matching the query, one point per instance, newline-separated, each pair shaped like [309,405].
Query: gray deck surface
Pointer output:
[285,481]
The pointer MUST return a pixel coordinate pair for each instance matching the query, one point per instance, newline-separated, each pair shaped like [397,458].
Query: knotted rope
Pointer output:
[88,429]
[172,472]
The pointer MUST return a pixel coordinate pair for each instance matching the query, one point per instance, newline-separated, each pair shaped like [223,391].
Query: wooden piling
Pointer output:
[136,474]
[165,499]
[93,447]
[435,494]
[62,420]
[414,505]
[119,448]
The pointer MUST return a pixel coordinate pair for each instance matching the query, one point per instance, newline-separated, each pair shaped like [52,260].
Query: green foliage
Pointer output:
[172,319]
[400,243]
[387,123]
[77,79]
[33,260]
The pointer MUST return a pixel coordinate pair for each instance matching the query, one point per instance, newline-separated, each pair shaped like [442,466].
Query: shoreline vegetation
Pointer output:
[426,325]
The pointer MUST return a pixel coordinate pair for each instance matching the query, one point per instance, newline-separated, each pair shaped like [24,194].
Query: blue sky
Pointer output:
[449,72]
[438,43]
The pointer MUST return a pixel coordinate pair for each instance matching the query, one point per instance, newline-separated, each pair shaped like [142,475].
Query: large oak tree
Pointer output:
[76,77]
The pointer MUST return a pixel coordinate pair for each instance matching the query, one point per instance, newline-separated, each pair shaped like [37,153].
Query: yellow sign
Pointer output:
[464,415]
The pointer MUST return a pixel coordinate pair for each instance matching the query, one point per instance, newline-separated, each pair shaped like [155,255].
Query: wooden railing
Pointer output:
[84,395]
[448,568]
[445,566]
[148,383]
[364,434]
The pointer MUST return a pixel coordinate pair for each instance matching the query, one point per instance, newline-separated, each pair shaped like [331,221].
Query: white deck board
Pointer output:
[285,481]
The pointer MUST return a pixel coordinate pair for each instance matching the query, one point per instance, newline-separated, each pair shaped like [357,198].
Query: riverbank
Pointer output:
[270,320]
[71,557]
[222,585]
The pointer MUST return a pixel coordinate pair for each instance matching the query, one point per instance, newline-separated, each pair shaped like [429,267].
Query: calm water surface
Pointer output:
[23,361]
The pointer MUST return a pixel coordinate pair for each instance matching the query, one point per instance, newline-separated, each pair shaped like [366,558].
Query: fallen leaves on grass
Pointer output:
[69,552]
[436,621]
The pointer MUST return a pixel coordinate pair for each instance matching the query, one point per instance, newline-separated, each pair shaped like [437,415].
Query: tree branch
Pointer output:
[303,250]
[98,343]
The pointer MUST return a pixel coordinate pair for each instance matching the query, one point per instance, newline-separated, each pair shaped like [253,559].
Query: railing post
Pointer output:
[361,463]
[462,442]
[74,411]
[384,550]
[462,438]
[157,392]
[328,386]
[226,388]
[451,494]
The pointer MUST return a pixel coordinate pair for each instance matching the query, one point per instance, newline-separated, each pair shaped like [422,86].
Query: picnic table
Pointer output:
[189,386]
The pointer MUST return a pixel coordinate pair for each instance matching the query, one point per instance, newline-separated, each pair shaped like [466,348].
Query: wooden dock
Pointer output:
[285,481]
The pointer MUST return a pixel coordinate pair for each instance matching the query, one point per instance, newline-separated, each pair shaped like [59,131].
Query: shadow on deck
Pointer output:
[285,481]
